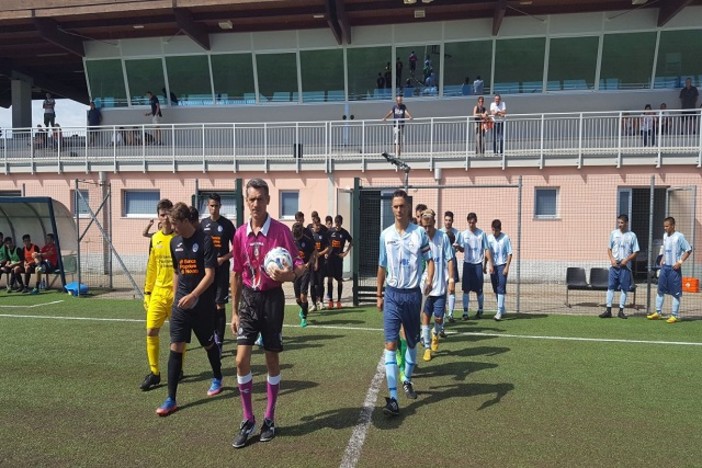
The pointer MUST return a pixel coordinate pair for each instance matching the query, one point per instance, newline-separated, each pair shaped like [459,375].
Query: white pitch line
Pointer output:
[30,306]
[577,338]
[339,327]
[358,436]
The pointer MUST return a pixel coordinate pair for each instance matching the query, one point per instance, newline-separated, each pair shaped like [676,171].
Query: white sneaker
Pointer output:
[498,316]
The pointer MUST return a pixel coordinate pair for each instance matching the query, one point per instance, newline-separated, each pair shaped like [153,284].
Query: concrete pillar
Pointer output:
[21,103]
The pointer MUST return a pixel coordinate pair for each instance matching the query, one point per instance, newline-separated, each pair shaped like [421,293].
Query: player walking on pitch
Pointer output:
[404,251]
[194,261]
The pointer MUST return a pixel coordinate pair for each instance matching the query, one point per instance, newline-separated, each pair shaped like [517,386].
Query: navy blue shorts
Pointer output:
[473,278]
[435,305]
[499,281]
[670,281]
[402,308]
[619,278]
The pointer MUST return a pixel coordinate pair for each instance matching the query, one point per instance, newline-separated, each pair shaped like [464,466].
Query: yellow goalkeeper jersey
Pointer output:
[159,269]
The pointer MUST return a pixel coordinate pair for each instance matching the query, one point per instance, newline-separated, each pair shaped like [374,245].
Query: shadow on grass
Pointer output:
[459,370]
[440,393]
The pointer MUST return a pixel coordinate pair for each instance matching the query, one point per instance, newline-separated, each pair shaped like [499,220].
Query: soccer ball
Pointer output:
[277,257]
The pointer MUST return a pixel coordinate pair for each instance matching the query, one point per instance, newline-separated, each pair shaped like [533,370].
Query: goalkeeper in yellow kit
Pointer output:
[158,290]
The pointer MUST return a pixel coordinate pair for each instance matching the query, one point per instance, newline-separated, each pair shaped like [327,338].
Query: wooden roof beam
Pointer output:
[50,31]
[669,9]
[343,20]
[330,6]
[500,10]
[195,31]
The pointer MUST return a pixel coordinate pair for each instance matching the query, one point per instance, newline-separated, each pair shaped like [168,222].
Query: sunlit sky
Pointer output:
[68,114]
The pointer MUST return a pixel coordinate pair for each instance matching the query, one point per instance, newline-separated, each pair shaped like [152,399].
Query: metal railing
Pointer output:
[570,137]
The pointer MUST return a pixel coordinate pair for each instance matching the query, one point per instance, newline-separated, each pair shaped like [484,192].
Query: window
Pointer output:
[424,79]
[106,82]
[228,208]
[289,204]
[83,203]
[678,59]
[277,77]
[144,75]
[322,75]
[366,66]
[189,81]
[627,60]
[140,203]
[466,60]
[546,203]
[233,79]
[572,63]
[519,66]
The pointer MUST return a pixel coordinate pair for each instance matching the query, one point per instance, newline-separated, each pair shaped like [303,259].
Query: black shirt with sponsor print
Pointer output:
[221,232]
[190,258]
[305,247]
[338,237]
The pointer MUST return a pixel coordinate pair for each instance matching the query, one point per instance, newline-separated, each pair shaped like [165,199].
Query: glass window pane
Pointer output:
[420,65]
[678,59]
[366,66]
[189,81]
[228,208]
[106,82]
[277,77]
[140,202]
[142,76]
[288,204]
[627,60]
[83,202]
[233,79]
[572,63]
[467,60]
[322,75]
[519,66]
[546,203]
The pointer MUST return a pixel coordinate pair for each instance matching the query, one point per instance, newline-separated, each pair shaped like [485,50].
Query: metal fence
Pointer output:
[543,250]
[570,136]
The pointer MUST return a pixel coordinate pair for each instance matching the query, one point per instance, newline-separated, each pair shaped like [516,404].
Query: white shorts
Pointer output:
[155,119]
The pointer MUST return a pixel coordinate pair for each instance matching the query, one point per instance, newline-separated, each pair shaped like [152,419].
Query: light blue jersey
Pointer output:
[622,244]
[403,256]
[500,248]
[673,248]
[453,230]
[441,252]
[474,245]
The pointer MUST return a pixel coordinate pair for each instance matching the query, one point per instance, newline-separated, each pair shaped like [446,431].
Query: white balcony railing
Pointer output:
[567,138]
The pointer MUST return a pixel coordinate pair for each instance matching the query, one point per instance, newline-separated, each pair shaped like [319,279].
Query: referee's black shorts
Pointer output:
[261,312]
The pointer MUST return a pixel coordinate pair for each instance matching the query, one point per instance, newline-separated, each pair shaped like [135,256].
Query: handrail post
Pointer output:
[541,141]
[468,121]
[265,147]
[581,122]
[431,143]
[234,146]
[619,140]
[658,130]
[204,154]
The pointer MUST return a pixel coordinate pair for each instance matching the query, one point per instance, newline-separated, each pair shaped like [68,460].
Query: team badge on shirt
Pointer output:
[195,248]
[220,229]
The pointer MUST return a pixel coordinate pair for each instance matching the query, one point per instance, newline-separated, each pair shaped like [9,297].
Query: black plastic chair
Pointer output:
[575,280]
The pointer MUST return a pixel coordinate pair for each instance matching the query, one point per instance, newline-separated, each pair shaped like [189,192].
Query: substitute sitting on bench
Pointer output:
[46,260]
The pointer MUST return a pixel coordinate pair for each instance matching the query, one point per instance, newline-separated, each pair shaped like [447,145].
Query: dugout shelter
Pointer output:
[39,216]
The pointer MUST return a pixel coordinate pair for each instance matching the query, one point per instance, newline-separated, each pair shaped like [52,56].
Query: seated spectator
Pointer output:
[3,253]
[29,265]
[40,137]
[13,267]
[118,137]
[46,260]
[57,135]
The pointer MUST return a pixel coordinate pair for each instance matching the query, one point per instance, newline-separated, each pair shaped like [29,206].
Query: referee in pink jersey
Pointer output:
[258,304]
